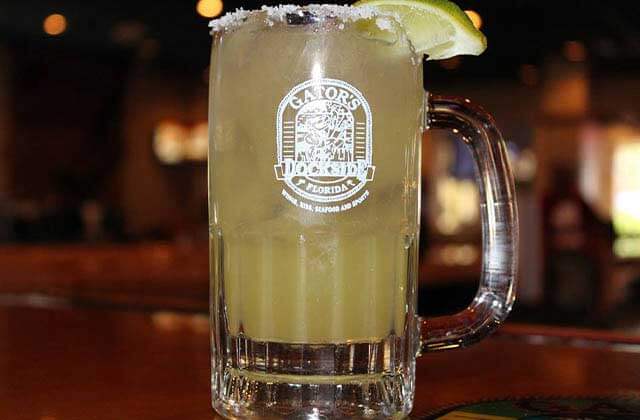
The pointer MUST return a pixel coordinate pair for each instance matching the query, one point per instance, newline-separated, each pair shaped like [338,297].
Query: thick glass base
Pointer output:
[302,381]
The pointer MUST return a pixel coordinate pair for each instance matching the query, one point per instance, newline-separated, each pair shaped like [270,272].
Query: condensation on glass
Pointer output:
[316,120]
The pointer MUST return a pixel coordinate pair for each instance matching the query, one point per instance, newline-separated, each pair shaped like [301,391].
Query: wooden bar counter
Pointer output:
[58,363]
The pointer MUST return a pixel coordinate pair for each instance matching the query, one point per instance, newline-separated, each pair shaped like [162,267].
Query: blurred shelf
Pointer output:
[146,274]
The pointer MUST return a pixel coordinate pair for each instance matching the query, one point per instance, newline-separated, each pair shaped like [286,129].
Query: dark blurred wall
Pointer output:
[65,103]
[76,130]
[5,137]
[565,103]
[616,94]
[158,199]
[5,122]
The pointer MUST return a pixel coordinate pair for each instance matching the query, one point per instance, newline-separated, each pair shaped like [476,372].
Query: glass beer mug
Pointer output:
[314,175]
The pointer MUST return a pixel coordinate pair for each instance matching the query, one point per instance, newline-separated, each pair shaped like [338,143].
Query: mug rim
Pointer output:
[295,15]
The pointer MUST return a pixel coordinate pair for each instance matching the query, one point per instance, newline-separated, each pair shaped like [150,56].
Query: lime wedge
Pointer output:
[437,28]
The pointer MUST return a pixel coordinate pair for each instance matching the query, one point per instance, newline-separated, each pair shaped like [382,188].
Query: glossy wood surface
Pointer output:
[95,364]
[147,274]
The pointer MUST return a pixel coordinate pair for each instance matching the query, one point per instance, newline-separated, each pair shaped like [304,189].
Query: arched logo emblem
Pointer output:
[324,146]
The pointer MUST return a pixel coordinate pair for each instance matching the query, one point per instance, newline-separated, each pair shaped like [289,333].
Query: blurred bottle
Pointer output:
[573,237]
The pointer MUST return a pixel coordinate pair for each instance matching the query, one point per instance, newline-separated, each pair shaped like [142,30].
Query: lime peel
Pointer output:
[437,28]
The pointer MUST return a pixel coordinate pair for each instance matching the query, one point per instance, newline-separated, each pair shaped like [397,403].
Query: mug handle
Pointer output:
[496,292]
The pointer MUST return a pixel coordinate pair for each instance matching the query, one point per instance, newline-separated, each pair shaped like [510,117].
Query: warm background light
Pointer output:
[475,17]
[55,24]
[168,142]
[197,143]
[174,143]
[626,188]
[209,8]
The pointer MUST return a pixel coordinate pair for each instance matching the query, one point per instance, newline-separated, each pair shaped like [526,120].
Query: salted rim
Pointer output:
[278,13]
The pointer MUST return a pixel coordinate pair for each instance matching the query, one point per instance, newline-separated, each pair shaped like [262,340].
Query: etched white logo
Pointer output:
[324,146]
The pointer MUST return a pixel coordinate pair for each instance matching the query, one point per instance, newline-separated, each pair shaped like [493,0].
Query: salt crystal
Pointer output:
[229,20]
[279,13]
[384,24]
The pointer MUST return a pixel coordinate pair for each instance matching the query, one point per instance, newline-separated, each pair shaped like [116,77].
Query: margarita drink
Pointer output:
[316,119]
[314,165]
[313,176]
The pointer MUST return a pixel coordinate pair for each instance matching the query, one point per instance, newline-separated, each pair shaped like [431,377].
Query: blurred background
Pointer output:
[103,141]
